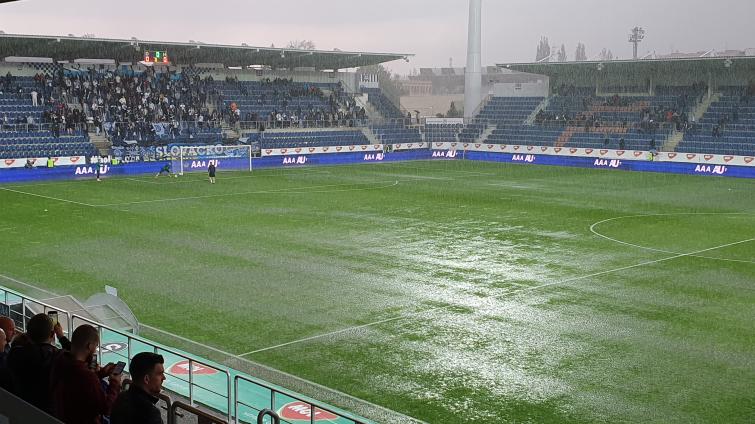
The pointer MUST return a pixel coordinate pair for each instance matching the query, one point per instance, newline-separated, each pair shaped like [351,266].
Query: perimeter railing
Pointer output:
[279,397]
[21,308]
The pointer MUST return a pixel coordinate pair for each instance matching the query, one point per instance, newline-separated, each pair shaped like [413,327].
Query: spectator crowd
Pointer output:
[64,380]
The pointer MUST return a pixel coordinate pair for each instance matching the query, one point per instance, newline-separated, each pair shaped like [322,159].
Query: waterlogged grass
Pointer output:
[479,292]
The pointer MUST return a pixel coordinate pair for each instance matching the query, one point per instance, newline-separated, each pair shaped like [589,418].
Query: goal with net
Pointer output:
[226,158]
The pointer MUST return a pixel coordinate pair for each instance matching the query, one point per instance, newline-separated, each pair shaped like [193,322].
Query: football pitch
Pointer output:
[451,292]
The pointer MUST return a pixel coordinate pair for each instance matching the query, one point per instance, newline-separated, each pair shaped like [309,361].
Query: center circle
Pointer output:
[681,233]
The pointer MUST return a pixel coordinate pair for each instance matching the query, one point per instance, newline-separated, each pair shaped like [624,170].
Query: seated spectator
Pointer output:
[137,404]
[77,393]
[30,363]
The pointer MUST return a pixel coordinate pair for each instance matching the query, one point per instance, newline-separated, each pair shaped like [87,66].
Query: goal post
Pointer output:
[225,158]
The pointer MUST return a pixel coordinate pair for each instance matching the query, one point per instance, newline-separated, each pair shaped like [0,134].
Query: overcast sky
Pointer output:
[434,30]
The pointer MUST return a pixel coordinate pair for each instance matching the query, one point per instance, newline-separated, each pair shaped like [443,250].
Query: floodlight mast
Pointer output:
[473,72]
[636,37]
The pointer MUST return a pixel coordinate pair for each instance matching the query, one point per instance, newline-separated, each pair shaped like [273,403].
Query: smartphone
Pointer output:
[53,316]
[119,368]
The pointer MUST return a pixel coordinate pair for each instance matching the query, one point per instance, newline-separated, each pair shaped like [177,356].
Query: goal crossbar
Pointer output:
[198,158]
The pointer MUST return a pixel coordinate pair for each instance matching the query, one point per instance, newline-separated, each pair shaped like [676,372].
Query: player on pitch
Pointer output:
[211,172]
[166,169]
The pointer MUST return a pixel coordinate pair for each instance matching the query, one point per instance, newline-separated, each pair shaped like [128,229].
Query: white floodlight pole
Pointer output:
[473,74]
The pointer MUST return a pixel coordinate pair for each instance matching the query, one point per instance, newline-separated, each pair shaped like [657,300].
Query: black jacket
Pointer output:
[135,406]
[29,367]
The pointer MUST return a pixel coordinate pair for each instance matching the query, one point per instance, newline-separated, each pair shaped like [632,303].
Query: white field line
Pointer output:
[63,182]
[259,174]
[197,178]
[431,169]
[49,197]
[31,286]
[301,190]
[528,289]
[279,372]
[597,224]
[143,181]
[282,373]
[292,190]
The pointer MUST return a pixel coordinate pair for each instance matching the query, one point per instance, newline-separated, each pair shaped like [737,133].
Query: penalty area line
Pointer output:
[48,197]
[391,412]
[513,292]
[292,190]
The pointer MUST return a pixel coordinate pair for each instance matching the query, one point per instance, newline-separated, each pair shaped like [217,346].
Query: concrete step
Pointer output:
[483,138]
[673,141]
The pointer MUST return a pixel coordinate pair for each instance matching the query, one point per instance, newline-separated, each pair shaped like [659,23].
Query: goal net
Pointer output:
[225,158]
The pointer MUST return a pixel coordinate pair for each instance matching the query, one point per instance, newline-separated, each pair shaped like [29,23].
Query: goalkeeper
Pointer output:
[166,169]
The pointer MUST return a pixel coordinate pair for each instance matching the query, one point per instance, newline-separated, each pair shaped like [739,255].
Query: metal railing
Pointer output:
[157,349]
[12,298]
[25,303]
[268,413]
[202,417]
[313,406]
[46,126]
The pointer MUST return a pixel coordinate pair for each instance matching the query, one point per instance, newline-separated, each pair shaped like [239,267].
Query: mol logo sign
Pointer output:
[112,347]
[182,368]
[300,411]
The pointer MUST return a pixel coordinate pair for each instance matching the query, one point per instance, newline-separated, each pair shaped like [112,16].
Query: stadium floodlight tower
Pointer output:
[473,72]
[636,37]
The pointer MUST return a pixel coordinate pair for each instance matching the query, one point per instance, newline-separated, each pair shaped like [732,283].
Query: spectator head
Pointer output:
[147,372]
[3,340]
[21,339]
[84,341]
[8,326]
[40,329]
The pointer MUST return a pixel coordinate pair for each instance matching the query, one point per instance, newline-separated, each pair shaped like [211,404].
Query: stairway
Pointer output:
[542,106]
[101,143]
[674,139]
[370,135]
[705,105]
[372,114]
[483,138]
[566,136]
[229,132]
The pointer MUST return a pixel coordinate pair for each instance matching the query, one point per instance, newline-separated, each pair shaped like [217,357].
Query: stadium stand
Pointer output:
[397,133]
[728,126]
[442,133]
[575,117]
[505,111]
[381,103]
[33,124]
[283,103]
[280,140]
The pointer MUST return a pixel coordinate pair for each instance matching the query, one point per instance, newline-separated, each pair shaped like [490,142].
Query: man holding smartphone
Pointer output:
[77,395]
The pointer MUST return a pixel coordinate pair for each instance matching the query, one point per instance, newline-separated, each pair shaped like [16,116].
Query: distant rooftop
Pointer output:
[70,48]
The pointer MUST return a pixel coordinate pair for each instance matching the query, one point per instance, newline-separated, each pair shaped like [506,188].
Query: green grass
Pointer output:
[458,249]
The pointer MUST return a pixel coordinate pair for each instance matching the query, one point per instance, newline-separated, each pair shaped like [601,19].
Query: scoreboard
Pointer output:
[153,56]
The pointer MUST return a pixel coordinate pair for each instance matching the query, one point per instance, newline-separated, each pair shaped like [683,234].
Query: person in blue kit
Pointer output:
[166,170]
